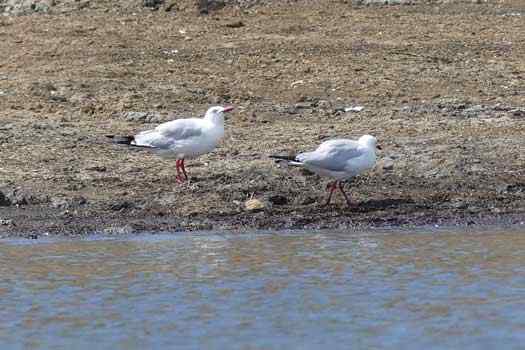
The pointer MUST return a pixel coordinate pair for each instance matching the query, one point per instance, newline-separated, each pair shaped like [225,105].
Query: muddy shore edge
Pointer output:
[441,86]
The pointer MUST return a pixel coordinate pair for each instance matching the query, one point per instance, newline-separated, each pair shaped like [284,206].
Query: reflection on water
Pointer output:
[266,291]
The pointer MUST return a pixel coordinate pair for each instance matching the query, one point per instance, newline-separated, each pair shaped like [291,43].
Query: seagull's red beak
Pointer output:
[228,108]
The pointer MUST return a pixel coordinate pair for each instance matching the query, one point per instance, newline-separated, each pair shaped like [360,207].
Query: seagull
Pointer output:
[339,159]
[181,138]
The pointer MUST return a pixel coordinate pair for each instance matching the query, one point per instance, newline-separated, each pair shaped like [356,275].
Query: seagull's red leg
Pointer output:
[179,176]
[344,194]
[183,167]
[332,187]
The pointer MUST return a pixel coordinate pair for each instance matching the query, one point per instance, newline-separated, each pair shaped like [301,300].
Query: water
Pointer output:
[419,290]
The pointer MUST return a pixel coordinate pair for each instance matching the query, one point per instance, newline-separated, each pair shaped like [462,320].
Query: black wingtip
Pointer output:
[279,157]
[121,140]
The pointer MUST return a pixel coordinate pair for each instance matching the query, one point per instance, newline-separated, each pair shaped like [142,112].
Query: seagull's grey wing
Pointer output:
[181,129]
[166,134]
[333,156]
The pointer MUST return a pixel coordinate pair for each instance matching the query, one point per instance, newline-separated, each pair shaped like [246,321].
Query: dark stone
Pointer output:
[278,199]
[58,98]
[205,6]
[123,205]
[307,200]
[18,196]
[153,4]
[99,168]
[4,201]
[236,24]
[172,6]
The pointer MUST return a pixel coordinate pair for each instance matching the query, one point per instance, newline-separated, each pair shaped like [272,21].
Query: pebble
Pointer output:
[236,24]
[386,164]
[118,230]
[99,168]
[278,199]
[255,205]
[6,222]
[4,200]
[355,109]
[154,4]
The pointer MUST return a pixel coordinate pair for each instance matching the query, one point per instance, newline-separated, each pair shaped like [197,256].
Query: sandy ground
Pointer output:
[441,85]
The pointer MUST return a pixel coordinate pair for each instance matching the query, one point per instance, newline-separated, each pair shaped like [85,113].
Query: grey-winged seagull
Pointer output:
[182,138]
[339,159]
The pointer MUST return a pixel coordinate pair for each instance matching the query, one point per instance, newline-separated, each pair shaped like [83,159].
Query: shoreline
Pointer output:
[132,225]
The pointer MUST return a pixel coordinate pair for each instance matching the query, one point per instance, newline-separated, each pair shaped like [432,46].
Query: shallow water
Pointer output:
[383,289]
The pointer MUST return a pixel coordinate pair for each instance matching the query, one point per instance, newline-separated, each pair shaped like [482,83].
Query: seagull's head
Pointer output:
[216,114]
[369,141]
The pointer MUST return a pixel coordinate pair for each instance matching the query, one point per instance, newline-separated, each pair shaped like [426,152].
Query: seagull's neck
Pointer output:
[215,127]
[215,120]
[369,148]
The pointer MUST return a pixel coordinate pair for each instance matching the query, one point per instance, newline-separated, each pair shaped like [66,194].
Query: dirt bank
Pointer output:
[441,85]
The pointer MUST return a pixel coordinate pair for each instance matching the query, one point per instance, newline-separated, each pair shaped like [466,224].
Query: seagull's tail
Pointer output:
[279,158]
[121,140]
[290,160]
[127,141]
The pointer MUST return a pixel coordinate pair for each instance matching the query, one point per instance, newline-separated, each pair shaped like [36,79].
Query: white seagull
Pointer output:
[339,159]
[182,138]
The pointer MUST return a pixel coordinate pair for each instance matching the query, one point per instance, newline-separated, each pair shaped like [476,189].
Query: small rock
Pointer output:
[43,126]
[459,204]
[43,6]
[511,188]
[6,222]
[278,199]
[497,210]
[254,205]
[386,164]
[307,200]
[67,203]
[298,82]
[119,230]
[303,105]
[6,127]
[4,200]
[17,196]
[502,189]
[518,112]
[323,104]
[473,111]
[58,98]
[153,4]
[59,203]
[99,168]
[338,110]
[172,6]
[122,205]
[355,109]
